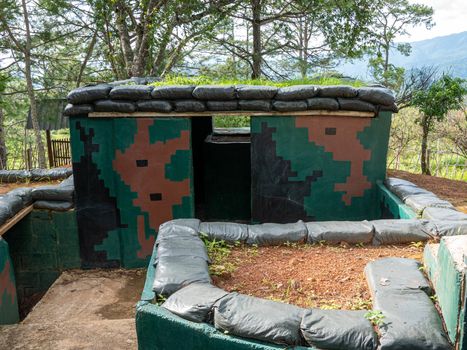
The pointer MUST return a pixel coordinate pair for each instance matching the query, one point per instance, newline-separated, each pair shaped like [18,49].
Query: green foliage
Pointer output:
[446,93]
[218,252]
[376,317]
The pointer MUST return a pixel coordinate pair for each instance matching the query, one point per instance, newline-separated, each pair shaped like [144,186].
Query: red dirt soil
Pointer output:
[308,276]
[451,190]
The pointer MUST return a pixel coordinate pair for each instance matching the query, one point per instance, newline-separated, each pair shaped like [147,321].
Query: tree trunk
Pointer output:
[31,94]
[256,26]
[3,150]
[86,58]
[424,150]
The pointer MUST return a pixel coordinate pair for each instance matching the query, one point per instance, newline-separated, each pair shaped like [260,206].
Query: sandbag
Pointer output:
[276,234]
[214,92]
[296,92]
[328,104]
[176,92]
[195,302]
[375,95]
[173,230]
[189,106]
[450,228]
[175,272]
[349,104]
[256,92]
[154,106]
[191,223]
[418,202]
[131,92]
[394,231]
[71,110]
[24,193]
[338,91]
[10,176]
[404,191]
[255,105]
[53,205]
[53,193]
[69,181]
[89,94]
[222,105]
[10,204]
[395,274]
[334,232]
[338,329]
[260,319]
[289,106]
[401,293]
[182,246]
[433,213]
[226,231]
[50,174]
[114,106]
[391,182]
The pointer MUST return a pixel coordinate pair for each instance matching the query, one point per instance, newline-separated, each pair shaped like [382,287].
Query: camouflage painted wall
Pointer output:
[131,175]
[317,168]
[8,298]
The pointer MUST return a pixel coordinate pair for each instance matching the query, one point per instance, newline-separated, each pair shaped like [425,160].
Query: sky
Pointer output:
[450,17]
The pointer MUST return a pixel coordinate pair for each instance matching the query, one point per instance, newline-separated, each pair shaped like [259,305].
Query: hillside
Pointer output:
[449,53]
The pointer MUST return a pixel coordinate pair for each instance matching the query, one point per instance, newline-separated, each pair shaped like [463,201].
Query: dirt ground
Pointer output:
[84,309]
[451,190]
[328,277]
[6,187]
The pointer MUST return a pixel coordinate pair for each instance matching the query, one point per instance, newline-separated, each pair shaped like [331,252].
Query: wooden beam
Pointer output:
[313,113]
[15,219]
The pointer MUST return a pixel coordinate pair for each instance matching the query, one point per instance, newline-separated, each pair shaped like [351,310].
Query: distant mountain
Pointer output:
[448,53]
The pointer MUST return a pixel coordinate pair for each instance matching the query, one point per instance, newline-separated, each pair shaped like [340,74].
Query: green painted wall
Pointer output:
[42,245]
[8,298]
[389,202]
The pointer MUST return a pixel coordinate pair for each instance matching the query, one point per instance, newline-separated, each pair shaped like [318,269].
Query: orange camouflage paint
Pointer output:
[142,167]
[6,284]
[338,135]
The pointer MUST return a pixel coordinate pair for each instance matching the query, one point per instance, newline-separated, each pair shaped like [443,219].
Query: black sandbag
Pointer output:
[338,91]
[226,231]
[222,105]
[255,105]
[114,106]
[276,234]
[10,204]
[53,193]
[401,293]
[10,176]
[69,181]
[53,205]
[391,182]
[418,202]
[450,214]
[296,92]
[450,228]
[182,246]
[394,231]
[349,104]
[391,108]
[195,302]
[260,319]
[89,94]
[154,106]
[50,174]
[214,92]
[333,232]
[175,272]
[78,109]
[25,193]
[324,103]
[338,329]
[175,92]
[189,106]
[131,92]
[375,95]
[404,191]
[289,106]
[256,92]
[395,275]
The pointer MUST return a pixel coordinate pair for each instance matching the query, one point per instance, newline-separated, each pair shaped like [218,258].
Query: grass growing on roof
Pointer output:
[204,80]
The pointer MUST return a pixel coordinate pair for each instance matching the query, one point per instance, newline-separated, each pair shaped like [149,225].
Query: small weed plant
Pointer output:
[376,317]
[218,252]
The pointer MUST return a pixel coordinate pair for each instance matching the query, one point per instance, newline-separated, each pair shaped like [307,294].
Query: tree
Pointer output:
[391,20]
[444,94]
